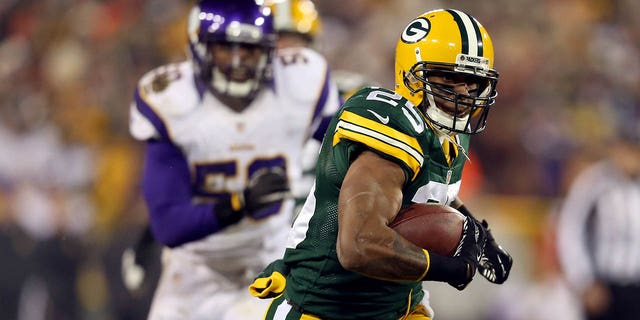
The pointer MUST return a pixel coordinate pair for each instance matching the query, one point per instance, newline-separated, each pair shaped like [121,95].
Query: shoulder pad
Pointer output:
[300,73]
[170,89]
[386,122]
[163,93]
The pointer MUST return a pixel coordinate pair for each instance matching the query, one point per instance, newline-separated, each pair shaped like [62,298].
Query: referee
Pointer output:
[599,231]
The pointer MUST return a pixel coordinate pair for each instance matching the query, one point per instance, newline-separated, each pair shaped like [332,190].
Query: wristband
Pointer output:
[445,269]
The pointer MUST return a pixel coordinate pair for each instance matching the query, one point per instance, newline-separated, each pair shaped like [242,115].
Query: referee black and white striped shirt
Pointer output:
[599,228]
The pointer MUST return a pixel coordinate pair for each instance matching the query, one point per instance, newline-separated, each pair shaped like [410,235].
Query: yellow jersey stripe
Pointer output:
[380,137]
[374,125]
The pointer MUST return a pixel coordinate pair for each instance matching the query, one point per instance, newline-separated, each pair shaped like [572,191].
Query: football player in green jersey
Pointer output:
[384,150]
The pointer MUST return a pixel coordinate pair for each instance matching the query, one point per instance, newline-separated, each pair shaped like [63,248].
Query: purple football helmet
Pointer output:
[236,24]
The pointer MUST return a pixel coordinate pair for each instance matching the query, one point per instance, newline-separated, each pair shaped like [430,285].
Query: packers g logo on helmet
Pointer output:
[416,30]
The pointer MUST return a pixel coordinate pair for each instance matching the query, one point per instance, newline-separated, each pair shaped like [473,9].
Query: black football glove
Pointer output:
[469,250]
[495,262]
[266,188]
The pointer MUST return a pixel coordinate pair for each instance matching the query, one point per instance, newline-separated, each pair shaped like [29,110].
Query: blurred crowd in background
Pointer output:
[69,196]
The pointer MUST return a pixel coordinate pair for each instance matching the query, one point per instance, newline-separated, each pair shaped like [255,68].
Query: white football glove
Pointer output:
[132,273]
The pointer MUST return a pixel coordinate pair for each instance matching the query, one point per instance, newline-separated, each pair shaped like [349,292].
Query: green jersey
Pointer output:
[384,122]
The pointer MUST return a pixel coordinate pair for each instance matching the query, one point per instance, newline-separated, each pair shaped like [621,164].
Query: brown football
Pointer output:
[435,227]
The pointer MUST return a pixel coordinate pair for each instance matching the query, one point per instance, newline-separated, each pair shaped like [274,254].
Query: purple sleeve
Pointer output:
[167,190]
[323,101]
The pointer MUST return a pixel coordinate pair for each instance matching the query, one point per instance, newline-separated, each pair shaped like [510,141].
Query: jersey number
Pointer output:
[408,109]
[212,180]
[292,58]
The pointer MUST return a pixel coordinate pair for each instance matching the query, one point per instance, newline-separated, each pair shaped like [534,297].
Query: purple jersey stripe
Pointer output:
[146,110]
[318,134]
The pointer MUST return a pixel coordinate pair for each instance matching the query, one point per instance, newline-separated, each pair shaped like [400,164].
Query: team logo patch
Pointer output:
[417,30]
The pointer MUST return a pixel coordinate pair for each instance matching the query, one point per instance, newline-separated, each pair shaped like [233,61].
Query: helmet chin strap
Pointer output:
[442,117]
[443,133]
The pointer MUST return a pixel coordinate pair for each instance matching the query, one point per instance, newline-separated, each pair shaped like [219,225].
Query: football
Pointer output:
[435,227]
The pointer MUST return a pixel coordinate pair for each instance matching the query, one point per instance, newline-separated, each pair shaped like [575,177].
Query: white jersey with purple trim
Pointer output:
[224,147]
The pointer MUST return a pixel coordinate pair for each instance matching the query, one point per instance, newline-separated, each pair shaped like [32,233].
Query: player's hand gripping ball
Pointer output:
[435,227]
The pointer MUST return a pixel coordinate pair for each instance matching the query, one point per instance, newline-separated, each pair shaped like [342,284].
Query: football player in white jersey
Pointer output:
[297,24]
[224,133]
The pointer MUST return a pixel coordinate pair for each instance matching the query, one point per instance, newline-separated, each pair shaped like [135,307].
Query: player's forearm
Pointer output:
[404,261]
[180,224]
[368,246]
[386,256]
[166,186]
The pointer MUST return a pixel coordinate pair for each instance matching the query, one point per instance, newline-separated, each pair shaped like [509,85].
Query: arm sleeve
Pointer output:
[166,187]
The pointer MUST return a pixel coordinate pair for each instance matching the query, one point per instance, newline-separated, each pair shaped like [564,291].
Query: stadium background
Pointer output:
[69,200]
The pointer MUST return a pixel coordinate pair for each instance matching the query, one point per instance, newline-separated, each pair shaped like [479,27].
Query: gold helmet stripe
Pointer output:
[469,33]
